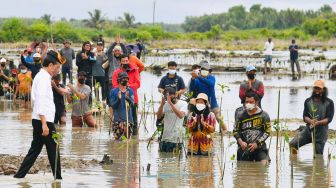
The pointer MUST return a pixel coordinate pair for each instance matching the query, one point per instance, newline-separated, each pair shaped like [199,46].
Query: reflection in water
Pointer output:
[201,171]
[251,174]
[314,173]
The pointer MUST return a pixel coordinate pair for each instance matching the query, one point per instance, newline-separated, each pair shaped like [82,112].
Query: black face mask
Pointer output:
[251,76]
[126,67]
[317,95]
[124,82]
[3,65]
[81,81]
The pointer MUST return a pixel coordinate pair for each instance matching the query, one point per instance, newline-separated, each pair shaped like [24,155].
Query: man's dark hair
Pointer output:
[293,41]
[195,66]
[82,73]
[169,90]
[172,64]
[123,56]
[250,94]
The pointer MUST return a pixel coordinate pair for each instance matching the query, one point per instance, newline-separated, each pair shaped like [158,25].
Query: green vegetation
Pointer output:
[236,25]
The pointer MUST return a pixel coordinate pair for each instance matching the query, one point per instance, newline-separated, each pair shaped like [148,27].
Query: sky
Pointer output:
[167,11]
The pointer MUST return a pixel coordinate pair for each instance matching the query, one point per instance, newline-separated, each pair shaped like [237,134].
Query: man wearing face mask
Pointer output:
[252,84]
[317,114]
[43,117]
[79,97]
[173,112]
[23,87]
[133,83]
[204,82]
[120,97]
[172,80]
[4,75]
[252,128]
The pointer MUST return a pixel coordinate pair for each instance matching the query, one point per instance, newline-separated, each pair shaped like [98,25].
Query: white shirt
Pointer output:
[268,48]
[173,126]
[42,97]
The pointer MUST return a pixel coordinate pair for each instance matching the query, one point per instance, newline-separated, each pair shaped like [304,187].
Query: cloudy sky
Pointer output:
[168,11]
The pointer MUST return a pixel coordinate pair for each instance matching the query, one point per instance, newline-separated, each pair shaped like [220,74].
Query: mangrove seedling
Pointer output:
[57,138]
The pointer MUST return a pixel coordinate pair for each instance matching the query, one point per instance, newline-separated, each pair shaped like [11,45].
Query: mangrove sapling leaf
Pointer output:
[233,157]
[123,138]
[56,137]
[313,108]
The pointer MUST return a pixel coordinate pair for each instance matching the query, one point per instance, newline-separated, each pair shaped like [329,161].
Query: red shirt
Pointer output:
[133,82]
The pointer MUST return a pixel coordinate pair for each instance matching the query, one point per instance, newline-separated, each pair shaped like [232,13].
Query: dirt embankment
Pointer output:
[9,164]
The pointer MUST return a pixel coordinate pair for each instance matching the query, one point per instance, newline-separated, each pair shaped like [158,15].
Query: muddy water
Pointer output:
[129,169]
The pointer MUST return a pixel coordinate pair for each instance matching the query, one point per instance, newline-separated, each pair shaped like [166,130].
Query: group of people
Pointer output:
[293,57]
[118,73]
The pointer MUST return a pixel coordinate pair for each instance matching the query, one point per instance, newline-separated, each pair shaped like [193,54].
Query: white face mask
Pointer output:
[23,71]
[249,106]
[200,107]
[171,71]
[204,73]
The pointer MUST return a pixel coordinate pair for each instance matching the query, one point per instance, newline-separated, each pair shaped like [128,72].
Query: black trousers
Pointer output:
[66,71]
[36,147]
[101,81]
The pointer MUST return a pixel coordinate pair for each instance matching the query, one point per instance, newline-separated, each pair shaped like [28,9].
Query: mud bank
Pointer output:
[9,164]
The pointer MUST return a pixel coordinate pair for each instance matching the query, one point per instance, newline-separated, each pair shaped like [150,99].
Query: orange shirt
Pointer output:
[25,81]
[136,63]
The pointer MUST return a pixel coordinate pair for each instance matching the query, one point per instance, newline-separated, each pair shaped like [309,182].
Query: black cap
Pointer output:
[122,75]
[55,57]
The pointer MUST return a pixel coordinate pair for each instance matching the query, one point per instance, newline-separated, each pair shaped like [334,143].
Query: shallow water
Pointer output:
[170,170]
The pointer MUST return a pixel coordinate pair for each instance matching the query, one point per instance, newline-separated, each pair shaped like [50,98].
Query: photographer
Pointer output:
[201,123]
[173,111]
[84,61]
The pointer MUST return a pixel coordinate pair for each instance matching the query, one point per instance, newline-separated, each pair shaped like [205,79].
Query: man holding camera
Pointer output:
[173,111]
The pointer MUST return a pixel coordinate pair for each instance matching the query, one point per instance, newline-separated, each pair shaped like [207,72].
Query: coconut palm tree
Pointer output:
[96,19]
[128,20]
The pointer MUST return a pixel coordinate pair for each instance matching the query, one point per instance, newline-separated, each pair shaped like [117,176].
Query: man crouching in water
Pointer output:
[252,128]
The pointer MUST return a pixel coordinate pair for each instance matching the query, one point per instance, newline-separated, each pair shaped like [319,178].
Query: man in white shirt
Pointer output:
[43,116]
[174,111]
[268,47]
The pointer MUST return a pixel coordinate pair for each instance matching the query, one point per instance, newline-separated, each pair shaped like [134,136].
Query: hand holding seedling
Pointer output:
[242,144]
[253,146]
[314,122]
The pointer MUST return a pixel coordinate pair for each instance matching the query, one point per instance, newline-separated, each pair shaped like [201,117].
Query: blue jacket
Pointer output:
[207,86]
[119,105]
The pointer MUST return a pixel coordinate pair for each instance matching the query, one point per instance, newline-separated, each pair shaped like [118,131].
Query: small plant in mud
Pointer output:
[57,138]
[313,109]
